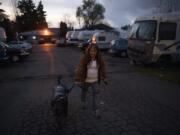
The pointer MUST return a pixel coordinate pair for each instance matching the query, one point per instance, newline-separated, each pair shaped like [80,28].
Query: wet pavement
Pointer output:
[134,104]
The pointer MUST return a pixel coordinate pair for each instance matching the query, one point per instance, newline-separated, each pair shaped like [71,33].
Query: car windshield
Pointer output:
[4,45]
[144,30]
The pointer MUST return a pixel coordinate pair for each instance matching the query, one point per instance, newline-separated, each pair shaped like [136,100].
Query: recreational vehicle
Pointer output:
[155,39]
[73,40]
[85,35]
[104,38]
[68,35]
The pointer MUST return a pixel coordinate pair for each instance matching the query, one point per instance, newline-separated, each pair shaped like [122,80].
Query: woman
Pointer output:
[89,73]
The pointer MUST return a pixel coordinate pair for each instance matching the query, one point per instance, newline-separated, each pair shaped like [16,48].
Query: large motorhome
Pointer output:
[73,40]
[155,39]
[68,35]
[104,38]
[2,34]
[85,35]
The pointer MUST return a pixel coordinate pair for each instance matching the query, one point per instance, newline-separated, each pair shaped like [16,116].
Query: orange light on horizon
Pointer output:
[46,32]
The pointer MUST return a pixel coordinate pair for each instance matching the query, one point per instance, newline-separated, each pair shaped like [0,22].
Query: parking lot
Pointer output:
[134,104]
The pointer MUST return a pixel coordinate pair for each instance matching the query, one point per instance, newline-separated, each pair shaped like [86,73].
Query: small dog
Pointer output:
[59,103]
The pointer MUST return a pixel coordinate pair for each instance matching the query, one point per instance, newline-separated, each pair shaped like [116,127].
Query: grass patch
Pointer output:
[170,73]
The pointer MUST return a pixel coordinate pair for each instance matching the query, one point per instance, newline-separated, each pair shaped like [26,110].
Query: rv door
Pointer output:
[167,36]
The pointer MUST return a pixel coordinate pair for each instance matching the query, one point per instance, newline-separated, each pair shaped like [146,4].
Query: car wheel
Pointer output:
[15,58]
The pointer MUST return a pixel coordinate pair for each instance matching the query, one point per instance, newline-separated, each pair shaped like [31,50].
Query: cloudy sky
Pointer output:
[118,12]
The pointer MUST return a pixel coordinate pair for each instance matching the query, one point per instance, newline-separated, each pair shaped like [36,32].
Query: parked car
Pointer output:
[41,41]
[119,47]
[53,40]
[10,53]
[21,44]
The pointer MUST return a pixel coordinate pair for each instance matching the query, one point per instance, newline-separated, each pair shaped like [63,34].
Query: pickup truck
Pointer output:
[8,53]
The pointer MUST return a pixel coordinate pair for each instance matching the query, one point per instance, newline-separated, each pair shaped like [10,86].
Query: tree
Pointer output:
[7,25]
[27,16]
[41,16]
[2,14]
[63,31]
[91,12]
[68,21]
[30,17]
[78,15]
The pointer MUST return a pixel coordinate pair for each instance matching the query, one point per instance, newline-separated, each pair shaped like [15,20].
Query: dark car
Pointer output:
[9,53]
[41,41]
[119,47]
[21,44]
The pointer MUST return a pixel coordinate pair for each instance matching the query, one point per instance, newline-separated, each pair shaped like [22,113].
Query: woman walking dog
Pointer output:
[89,73]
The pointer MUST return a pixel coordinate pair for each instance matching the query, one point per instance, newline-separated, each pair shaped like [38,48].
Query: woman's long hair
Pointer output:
[87,54]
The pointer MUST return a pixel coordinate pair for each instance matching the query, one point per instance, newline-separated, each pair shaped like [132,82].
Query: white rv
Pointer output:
[73,40]
[68,35]
[86,35]
[104,38]
[2,34]
[155,39]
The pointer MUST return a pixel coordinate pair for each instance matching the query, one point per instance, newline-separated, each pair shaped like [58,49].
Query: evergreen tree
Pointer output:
[26,20]
[2,14]
[41,16]
[63,31]
[7,25]
[30,17]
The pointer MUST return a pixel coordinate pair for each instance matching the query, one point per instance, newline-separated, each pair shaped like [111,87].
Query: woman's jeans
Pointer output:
[95,90]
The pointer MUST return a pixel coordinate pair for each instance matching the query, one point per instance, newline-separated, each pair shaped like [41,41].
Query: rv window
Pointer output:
[167,31]
[144,30]
[134,30]
[102,38]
